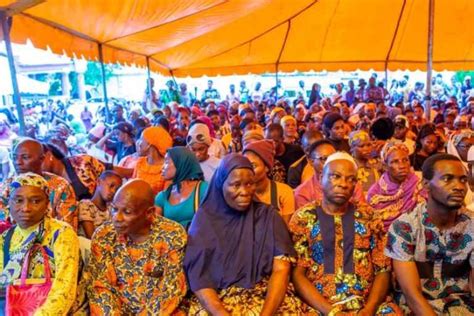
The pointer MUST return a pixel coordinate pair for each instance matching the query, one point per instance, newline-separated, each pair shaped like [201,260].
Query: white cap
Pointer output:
[341,155]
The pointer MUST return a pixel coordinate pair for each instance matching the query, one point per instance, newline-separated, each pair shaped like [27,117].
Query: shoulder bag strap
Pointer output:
[26,263]
[197,193]
[274,194]
[6,245]
[79,188]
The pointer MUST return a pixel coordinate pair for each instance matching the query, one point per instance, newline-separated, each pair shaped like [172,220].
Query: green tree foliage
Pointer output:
[460,75]
[93,74]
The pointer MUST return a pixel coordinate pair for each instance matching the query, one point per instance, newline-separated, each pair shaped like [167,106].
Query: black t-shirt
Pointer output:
[292,153]
[341,145]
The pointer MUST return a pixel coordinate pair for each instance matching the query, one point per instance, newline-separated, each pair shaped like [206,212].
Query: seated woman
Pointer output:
[239,251]
[369,168]
[29,205]
[399,189]
[181,199]
[153,143]
[262,156]
[426,145]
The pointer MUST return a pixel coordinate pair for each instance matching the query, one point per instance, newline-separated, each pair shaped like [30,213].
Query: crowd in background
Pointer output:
[247,201]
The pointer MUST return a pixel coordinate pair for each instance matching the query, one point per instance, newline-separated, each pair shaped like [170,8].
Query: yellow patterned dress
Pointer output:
[62,246]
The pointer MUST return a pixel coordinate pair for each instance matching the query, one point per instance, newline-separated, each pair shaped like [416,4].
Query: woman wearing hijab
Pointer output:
[153,143]
[239,251]
[181,199]
[399,189]
[426,145]
[29,204]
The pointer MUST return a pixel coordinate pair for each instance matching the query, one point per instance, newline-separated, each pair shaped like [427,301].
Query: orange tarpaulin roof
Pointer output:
[210,37]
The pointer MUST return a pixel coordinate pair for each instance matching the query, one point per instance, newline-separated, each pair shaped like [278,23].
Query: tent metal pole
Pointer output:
[11,63]
[148,74]
[104,83]
[429,66]
[276,83]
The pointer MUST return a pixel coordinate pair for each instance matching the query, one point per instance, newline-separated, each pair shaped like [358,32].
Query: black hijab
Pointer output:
[228,247]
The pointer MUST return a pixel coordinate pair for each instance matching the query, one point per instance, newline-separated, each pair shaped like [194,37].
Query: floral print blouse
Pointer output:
[444,258]
[137,279]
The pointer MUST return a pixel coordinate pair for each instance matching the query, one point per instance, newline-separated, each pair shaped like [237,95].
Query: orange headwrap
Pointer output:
[157,137]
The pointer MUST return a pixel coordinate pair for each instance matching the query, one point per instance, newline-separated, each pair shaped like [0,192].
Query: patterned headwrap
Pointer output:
[287,118]
[159,138]
[390,146]
[464,134]
[275,111]
[357,137]
[30,179]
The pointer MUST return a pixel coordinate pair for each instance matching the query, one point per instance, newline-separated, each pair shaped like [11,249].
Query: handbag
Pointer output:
[24,299]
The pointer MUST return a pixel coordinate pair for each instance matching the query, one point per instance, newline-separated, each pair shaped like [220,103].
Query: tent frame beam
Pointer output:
[5,25]
[20,6]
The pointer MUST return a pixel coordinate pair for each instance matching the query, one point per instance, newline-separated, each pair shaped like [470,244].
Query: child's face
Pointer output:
[108,187]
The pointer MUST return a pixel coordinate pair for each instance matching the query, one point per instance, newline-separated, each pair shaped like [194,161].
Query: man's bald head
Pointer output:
[28,156]
[30,143]
[137,191]
[310,137]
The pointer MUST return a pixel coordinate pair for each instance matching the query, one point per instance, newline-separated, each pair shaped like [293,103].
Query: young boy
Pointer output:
[96,211]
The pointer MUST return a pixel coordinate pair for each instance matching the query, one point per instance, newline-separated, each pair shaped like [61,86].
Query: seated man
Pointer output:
[432,246]
[28,156]
[341,268]
[136,261]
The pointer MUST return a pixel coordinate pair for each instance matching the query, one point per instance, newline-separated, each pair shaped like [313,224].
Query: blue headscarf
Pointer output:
[228,247]
[187,166]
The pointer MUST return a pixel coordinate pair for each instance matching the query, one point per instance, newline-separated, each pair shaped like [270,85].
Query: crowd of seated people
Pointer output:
[249,204]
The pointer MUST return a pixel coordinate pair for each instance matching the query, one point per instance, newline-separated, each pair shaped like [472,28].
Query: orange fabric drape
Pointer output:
[210,37]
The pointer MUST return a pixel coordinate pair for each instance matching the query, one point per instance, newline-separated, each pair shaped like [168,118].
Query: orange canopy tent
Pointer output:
[210,37]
